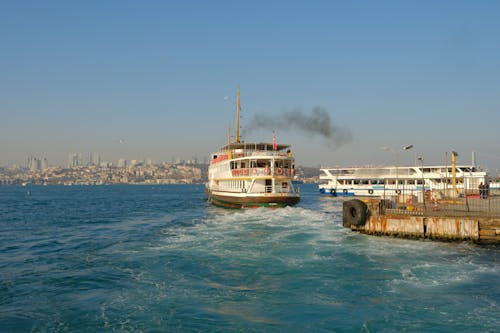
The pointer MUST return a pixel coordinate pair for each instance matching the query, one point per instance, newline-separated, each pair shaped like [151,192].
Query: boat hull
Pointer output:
[268,200]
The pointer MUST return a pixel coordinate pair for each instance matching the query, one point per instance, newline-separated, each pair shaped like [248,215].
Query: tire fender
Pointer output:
[355,213]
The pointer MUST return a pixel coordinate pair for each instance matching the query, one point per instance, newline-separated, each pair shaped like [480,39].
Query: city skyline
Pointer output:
[35,162]
[338,81]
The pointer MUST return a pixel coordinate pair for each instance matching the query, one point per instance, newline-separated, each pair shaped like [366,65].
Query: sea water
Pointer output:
[161,259]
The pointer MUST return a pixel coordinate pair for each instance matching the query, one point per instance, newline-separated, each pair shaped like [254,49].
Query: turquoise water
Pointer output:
[160,259]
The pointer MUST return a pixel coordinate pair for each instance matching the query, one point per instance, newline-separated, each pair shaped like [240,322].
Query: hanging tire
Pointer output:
[355,213]
[333,192]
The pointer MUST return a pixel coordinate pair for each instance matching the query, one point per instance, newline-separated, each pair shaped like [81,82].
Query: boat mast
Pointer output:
[453,170]
[228,150]
[238,108]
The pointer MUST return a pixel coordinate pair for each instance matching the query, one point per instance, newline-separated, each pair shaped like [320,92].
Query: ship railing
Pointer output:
[267,153]
[460,201]
[280,189]
[277,189]
[255,172]
[252,153]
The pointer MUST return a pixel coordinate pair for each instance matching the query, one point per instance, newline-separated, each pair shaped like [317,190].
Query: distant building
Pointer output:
[74,160]
[105,164]
[95,159]
[135,162]
[44,164]
[122,163]
[35,164]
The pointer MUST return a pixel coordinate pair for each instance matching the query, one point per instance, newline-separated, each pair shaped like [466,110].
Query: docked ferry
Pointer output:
[243,174]
[392,180]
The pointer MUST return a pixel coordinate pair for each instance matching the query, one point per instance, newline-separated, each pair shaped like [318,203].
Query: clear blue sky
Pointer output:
[78,76]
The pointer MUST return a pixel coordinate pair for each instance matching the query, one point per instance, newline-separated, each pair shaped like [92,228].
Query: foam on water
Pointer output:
[164,260]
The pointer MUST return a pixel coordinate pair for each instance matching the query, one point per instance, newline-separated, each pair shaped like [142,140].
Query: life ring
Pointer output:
[398,191]
[344,190]
[355,213]
[254,171]
[370,191]
[267,170]
[279,171]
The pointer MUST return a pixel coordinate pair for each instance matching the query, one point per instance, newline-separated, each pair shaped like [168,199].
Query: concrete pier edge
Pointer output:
[369,217]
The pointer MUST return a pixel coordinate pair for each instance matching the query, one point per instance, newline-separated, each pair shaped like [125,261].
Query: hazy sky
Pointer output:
[147,79]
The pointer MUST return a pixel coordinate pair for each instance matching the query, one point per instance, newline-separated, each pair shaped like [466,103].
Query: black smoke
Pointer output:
[317,123]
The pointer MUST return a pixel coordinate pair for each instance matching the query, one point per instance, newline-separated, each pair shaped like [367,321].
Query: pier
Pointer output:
[474,219]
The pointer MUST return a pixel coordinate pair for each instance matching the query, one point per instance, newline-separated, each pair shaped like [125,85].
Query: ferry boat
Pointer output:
[243,174]
[393,180]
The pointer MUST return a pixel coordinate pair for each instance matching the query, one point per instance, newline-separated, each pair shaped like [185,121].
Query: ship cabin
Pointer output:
[257,167]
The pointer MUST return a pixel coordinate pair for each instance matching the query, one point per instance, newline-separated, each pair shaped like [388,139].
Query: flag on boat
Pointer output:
[275,145]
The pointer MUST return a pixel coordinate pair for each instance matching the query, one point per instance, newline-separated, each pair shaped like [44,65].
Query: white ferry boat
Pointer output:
[393,180]
[243,174]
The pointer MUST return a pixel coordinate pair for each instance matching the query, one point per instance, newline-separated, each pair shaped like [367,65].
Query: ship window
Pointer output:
[411,182]
[262,163]
[243,165]
[419,181]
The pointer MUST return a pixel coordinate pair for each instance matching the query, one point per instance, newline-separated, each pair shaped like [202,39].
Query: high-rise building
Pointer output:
[28,162]
[44,164]
[122,163]
[72,160]
[35,164]
[75,160]
[95,159]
